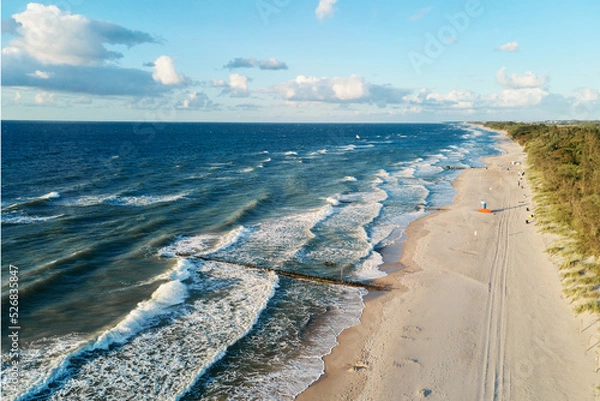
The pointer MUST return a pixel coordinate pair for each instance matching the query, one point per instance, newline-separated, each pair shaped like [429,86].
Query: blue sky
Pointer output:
[300,60]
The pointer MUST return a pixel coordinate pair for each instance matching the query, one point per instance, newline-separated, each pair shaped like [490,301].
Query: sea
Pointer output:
[130,246]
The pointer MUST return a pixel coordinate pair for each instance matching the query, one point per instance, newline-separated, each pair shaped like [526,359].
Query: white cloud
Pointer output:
[461,100]
[53,36]
[353,89]
[420,13]
[39,74]
[44,98]
[455,99]
[325,9]
[165,73]
[219,83]
[585,104]
[510,47]
[237,86]
[17,97]
[523,97]
[585,95]
[520,81]
[55,50]
[195,100]
[270,64]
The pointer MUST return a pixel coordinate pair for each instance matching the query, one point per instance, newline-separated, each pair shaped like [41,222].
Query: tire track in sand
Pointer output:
[496,377]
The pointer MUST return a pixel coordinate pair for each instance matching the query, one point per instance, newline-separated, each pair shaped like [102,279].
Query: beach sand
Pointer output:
[476,314]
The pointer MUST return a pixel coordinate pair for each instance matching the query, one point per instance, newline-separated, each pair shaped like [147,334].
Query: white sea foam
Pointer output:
[383,174]
[426,169]
[349,179]
[168,294]
[332,200]
[176,355]
[277,240]
[88,200]
[408,172]
[369,268]
[31,201]
[50,195]
[347,148]
[291,377]
[117,200]
[204,244]
[347,240]
[22,218]
[318,152]
[143,200]
[37,362]
[197,336]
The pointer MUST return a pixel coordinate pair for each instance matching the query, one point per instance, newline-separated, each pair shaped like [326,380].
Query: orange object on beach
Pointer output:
[485,211]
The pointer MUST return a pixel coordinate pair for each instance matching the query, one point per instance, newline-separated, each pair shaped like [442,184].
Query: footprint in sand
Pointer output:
[410,332]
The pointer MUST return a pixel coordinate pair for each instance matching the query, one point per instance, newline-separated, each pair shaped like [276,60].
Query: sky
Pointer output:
[301,60]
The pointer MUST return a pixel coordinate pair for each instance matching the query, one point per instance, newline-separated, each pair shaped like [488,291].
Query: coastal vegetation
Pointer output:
[564,171]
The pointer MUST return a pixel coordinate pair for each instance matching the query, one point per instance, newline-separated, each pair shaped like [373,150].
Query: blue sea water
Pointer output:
[103,221]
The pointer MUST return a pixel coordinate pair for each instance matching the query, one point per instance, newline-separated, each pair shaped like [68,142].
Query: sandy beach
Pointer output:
[477,312]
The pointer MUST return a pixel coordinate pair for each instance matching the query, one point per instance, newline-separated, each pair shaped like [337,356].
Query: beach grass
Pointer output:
[564,172]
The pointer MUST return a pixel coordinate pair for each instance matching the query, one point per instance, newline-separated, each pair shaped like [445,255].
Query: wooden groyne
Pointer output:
[298,276]
[462,167]
[430,208]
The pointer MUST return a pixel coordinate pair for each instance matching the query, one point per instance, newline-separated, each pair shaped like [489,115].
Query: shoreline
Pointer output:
[425,338]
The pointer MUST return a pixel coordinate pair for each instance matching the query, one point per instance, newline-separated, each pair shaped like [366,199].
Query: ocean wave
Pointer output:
[275,241]
[349,178]
[22,218]
[37,362]
[245,209]
[204,244]
[175,355]
[119,200]
[369,268]
[332,200]
[50,195]
[88,200]
[318,152]
[383,175]
[167,295]
[342,236]
[294,365]
[408,172]
[144,200]
[347,148]
[32,201]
